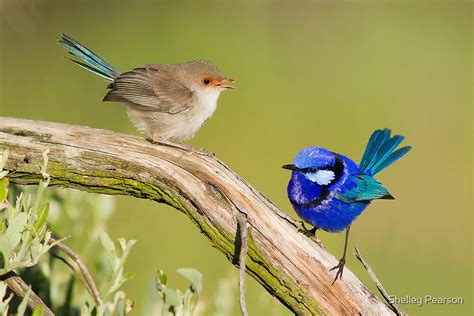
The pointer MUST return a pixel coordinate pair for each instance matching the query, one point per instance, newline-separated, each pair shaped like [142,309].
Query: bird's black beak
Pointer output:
[291,167]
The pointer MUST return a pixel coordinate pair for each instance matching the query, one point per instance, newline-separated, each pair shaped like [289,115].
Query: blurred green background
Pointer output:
[325,73]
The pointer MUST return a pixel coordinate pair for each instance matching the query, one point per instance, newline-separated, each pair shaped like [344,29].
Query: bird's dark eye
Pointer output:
[206,81]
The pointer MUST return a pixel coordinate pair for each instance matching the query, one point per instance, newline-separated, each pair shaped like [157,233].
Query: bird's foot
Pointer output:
[189,149]
[204,152]
[169,144]
[196,152]
[310,233]
[340,269]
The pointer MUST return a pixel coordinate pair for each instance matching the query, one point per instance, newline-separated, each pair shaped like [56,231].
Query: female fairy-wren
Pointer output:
[166,102]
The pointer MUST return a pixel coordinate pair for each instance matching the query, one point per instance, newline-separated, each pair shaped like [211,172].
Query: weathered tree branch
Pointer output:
[244,232]
[288,264]
[393,306]
[88,280]
[19,287]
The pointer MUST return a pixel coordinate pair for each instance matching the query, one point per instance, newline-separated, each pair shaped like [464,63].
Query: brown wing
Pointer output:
[151,89]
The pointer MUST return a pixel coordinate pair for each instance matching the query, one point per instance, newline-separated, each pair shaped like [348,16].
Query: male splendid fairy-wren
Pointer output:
[166,102]
[329,190]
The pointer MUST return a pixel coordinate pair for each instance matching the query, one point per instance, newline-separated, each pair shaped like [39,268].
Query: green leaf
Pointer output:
[172,297]
[38,311]
[4,158]
[24,302]
[192,275]
[121,307]
[3,228]
[3,189]
[106,242]
[161,278]
[6,250]
[35,249]
[15,229]
[3,290]
[42,215]
[190,300]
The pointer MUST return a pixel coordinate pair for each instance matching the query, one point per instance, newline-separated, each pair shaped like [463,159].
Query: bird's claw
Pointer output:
[189,149]
[204,152]
[311,235]
[340,269]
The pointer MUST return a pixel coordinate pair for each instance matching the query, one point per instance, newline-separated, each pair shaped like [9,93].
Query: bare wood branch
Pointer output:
[378,284]
[19,287]
[287,264]
[89,281]
[244,231]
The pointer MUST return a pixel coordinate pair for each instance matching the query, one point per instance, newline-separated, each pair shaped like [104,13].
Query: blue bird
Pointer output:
[329,190]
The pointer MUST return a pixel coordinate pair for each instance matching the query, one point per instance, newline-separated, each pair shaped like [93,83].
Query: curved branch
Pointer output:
[286,263]
[87,277]
[19,287]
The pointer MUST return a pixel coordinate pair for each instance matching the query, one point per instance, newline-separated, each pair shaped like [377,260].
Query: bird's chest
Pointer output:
[205,106]
[301,191]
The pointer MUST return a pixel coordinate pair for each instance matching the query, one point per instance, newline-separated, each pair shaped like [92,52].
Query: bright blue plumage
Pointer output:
[329,190]
[332,207]
[380,151]
[93,62]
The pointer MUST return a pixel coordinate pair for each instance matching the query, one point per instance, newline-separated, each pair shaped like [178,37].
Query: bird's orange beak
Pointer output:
[222,84]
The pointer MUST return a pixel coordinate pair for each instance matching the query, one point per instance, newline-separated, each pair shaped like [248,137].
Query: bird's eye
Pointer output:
[206,81]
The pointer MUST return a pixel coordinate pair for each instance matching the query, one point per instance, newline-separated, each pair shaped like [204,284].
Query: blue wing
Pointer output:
[365,188]
[381,151]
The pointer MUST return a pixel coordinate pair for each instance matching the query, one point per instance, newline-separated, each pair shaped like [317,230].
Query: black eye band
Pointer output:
[337,168]
[310,170]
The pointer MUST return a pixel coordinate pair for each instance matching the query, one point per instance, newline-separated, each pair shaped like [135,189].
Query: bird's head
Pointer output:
[203,75]
[317,165]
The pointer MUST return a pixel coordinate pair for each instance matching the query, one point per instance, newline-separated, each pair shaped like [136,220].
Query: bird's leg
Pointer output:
[189,149]
[310,233]
[342,261]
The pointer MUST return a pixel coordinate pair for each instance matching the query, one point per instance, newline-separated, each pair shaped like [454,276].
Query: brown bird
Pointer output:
[164,101]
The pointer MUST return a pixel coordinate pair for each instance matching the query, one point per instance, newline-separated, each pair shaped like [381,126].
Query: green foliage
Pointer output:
[5,301]
[175,302]
[116,260]
[86,216]
[24,237]
[26,230]
[3,184]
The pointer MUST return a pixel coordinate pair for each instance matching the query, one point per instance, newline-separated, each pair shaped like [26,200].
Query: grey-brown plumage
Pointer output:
[166,102]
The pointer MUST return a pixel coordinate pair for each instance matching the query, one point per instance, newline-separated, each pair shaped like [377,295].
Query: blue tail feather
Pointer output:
[381,151]
[91,69]
[376,140]
[386,149]
[399,153]
[93,62]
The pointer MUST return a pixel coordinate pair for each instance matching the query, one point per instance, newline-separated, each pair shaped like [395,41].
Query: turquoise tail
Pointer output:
[93,63]
[381,151]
